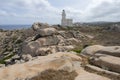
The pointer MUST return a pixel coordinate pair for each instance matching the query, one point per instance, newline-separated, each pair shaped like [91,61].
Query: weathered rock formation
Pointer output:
[60,61]
[42,51]
[48,40]
[36,26]
[39,40]
[106,58]
[16,46]
[109,50]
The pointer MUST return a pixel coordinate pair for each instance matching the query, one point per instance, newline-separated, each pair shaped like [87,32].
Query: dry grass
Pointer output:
[55,75]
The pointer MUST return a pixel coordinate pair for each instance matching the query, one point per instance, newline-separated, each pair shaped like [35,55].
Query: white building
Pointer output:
[64,21]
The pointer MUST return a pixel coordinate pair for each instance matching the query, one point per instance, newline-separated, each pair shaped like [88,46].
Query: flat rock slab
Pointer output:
[107,62]
[109,50]
[100,71]
[83,75]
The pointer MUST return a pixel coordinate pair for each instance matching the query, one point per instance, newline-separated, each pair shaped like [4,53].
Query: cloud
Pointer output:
[103,10]
[96,10]
[3,13]
[27,7]
[31,9]
[43,10]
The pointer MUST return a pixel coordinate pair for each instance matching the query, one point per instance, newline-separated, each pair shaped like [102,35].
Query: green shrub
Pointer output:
[77,50]
[2,62]
[9,56]
[5,58]
[18,41]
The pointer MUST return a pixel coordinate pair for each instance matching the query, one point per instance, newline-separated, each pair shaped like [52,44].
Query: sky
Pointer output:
[49,11]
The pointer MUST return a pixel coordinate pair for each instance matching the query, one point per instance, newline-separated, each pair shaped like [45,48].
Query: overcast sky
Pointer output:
[49,11]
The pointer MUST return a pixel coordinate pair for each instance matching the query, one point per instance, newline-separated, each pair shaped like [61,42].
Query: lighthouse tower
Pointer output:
[63,21]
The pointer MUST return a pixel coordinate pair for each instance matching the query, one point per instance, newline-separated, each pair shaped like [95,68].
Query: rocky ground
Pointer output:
[19,46]
[45,52]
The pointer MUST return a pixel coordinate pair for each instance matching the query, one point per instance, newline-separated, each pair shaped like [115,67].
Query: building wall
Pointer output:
[64,21]
[69,22]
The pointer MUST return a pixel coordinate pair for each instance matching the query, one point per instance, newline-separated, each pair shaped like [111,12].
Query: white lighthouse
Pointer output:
[64,21]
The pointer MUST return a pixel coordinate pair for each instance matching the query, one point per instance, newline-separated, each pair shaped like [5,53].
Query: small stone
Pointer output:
[16,57]
[17,62]
[27,57]
[22,61]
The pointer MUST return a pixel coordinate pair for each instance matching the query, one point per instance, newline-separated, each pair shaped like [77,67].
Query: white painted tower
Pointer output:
[64,21]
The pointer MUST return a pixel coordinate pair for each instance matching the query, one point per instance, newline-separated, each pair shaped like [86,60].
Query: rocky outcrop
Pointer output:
[107,62]
[43,50]
[109,50]
[59,61]
[36,26]
[103,72]
[48,40]
[53,63]
[47,32]
[39,40]
[91,50]
[107,58]
[11,45]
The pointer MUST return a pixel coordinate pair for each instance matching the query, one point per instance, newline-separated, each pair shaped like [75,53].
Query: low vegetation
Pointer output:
[6,58]
[55,75]
[77,50]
